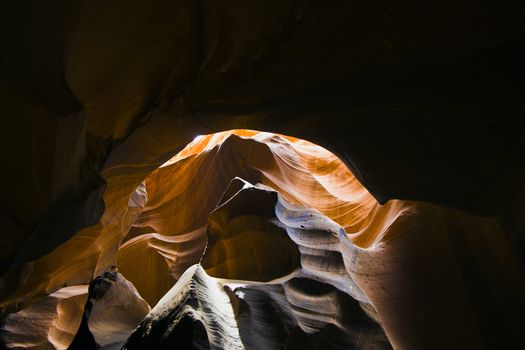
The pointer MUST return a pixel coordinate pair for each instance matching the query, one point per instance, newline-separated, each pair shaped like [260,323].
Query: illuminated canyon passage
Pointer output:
[262,174]
[246,240]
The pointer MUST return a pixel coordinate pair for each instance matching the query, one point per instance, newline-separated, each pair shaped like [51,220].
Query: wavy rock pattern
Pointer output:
[113,310]
[225,315]
[375,248]
[423,102]
[51,322]
[379,274]
[293,252]
[114,316]
[177,214]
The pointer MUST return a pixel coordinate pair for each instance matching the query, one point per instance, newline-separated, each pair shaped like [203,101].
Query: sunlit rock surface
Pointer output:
[202,312]
[256,240]
[423,102]
[48,323]
[113,310]
[183,192]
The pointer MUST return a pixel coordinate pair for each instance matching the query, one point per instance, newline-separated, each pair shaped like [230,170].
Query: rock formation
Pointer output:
[306,248]
[48,323]
[379,204]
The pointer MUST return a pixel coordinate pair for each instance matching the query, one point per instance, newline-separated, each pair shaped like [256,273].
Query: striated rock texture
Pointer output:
[203,312]
[183,192]
[423,103]
[49,323]
[112,311]
[292,251]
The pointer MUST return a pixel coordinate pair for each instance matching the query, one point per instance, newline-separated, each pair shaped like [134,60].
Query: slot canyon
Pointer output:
[251,174]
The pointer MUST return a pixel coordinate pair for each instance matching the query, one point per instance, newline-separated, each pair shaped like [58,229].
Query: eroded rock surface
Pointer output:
[248,239]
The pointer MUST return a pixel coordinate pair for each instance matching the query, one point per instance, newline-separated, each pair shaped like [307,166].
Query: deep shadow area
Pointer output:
[187,334]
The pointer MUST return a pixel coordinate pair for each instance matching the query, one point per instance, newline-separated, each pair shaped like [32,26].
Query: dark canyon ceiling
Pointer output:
[262,174]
